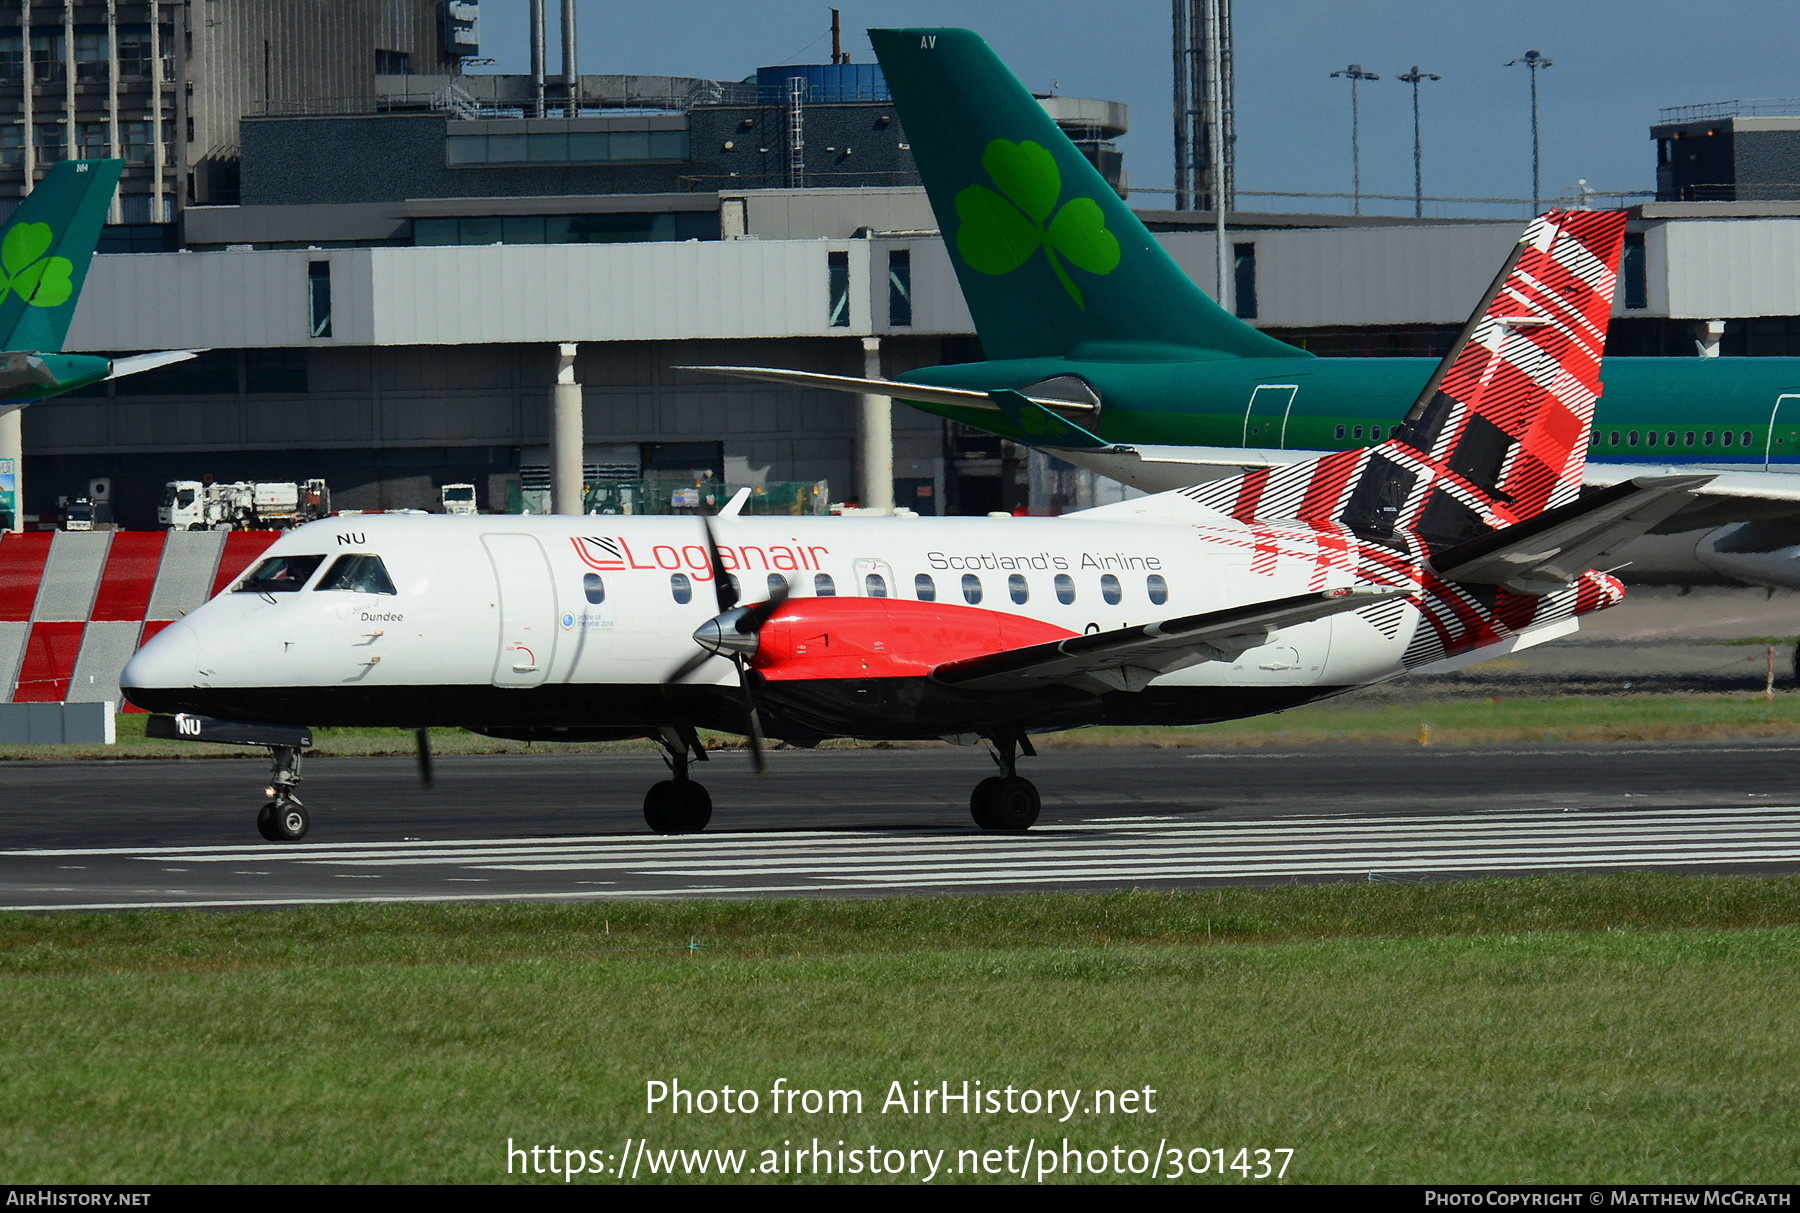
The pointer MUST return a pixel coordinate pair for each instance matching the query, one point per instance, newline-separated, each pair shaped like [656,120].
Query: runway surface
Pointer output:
[138,834]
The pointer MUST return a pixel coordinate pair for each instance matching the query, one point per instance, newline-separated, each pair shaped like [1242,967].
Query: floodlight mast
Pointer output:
[1356,75]
[1414,78]
[1533,61]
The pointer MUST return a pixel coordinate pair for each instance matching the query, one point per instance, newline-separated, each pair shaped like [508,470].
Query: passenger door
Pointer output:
[527,609]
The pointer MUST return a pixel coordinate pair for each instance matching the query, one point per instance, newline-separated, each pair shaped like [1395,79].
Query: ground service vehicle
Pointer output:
[196,505]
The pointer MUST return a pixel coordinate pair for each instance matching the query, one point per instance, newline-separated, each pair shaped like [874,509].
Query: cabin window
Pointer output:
[1669,438]
[1746,437]
[593,588]
[824,586]
[971,588]
[1339,432]
[1375,432]
[924,588]
[737,587]
[1631,438]
[358,574]
[1015,586]
[1065,588]
[1357,432]
[1727,437]
[681,588]
[1109,589]
[1687,439]
[1613,440]
[1159,589]
[280,575]
[1706,439]
[1650,438]
[875,585]
[777,584]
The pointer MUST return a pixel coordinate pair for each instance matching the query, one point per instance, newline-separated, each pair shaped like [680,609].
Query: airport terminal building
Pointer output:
[384,267]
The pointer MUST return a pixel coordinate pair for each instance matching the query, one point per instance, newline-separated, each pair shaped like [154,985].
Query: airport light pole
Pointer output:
[1356,76]
[1533,60]
[1414,78]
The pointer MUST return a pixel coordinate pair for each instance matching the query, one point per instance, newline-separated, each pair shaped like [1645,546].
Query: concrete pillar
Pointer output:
[874,439]
[12,446]
[1707,336]
[567,441]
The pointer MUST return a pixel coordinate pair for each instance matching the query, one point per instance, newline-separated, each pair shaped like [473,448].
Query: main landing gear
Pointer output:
[678,805]
[1007,801]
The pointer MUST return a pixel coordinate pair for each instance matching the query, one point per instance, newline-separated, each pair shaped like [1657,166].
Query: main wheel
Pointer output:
[288,821]
[693,808]
[660,807]
[677,807]
[265,822]
[1008,802]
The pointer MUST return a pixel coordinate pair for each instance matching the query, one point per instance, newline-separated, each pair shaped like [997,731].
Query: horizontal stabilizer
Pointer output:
[1128,658]
[968,398]
[1551,551]
[131,364]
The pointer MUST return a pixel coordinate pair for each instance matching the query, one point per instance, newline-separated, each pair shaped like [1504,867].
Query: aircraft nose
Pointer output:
[170,660]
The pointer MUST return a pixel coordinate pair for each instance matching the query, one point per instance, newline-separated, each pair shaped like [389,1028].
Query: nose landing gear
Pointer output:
[283,818]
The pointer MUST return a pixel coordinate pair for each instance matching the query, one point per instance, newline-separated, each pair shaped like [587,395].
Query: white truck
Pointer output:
[194,505]
[457,498]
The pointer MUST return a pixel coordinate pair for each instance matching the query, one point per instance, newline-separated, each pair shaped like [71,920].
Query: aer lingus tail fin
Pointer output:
[1051,261]
[45,251]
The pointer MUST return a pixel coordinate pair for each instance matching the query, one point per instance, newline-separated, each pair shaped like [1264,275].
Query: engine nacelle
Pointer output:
[1759,553]
[858,638]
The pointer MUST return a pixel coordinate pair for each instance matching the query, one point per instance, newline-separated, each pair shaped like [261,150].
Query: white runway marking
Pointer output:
[1117,852]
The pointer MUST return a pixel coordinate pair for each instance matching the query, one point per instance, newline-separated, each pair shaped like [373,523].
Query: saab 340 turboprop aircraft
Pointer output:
[1099,349]
[1460,537]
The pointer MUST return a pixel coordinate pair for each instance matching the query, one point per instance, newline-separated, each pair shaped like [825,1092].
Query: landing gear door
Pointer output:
[527,610]
[1266,418]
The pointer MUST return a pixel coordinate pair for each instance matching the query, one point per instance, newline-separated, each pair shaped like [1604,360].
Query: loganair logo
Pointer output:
[612,554]
[600,552]
[39,280]
[1001,230]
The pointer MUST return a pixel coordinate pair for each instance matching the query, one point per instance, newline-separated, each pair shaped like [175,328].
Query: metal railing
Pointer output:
[1759,107]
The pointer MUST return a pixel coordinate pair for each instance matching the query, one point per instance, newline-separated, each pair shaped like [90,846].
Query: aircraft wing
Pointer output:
[967,398]
[133,363]
[1128,658]
[1552,550]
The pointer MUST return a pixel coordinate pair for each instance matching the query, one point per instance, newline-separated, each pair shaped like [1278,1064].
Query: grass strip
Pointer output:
[1622,1029]
[1496,720]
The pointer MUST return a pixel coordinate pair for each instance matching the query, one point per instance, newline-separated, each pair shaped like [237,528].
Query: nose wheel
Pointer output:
[1007,801]
[283,818]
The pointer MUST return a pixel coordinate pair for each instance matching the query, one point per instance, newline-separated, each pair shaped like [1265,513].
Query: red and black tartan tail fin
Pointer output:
[1500,432]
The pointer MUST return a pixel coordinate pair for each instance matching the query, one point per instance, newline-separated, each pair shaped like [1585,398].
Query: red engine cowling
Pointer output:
[856,638]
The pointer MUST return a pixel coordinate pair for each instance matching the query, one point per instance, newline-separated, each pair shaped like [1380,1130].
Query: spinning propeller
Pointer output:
[732,634]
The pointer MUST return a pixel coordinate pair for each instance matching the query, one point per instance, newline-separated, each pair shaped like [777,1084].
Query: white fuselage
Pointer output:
[540,620]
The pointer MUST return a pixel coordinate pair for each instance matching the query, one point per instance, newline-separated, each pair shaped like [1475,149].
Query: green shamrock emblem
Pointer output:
[1001,230]
[40,280]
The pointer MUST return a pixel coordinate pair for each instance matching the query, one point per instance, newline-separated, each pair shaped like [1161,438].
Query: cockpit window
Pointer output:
[358,574]
[280,575]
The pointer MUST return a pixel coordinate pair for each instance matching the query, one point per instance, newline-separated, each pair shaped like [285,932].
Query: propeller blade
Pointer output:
[723,586]
[700,658]
[755,733]
[752,620]
[423,737]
